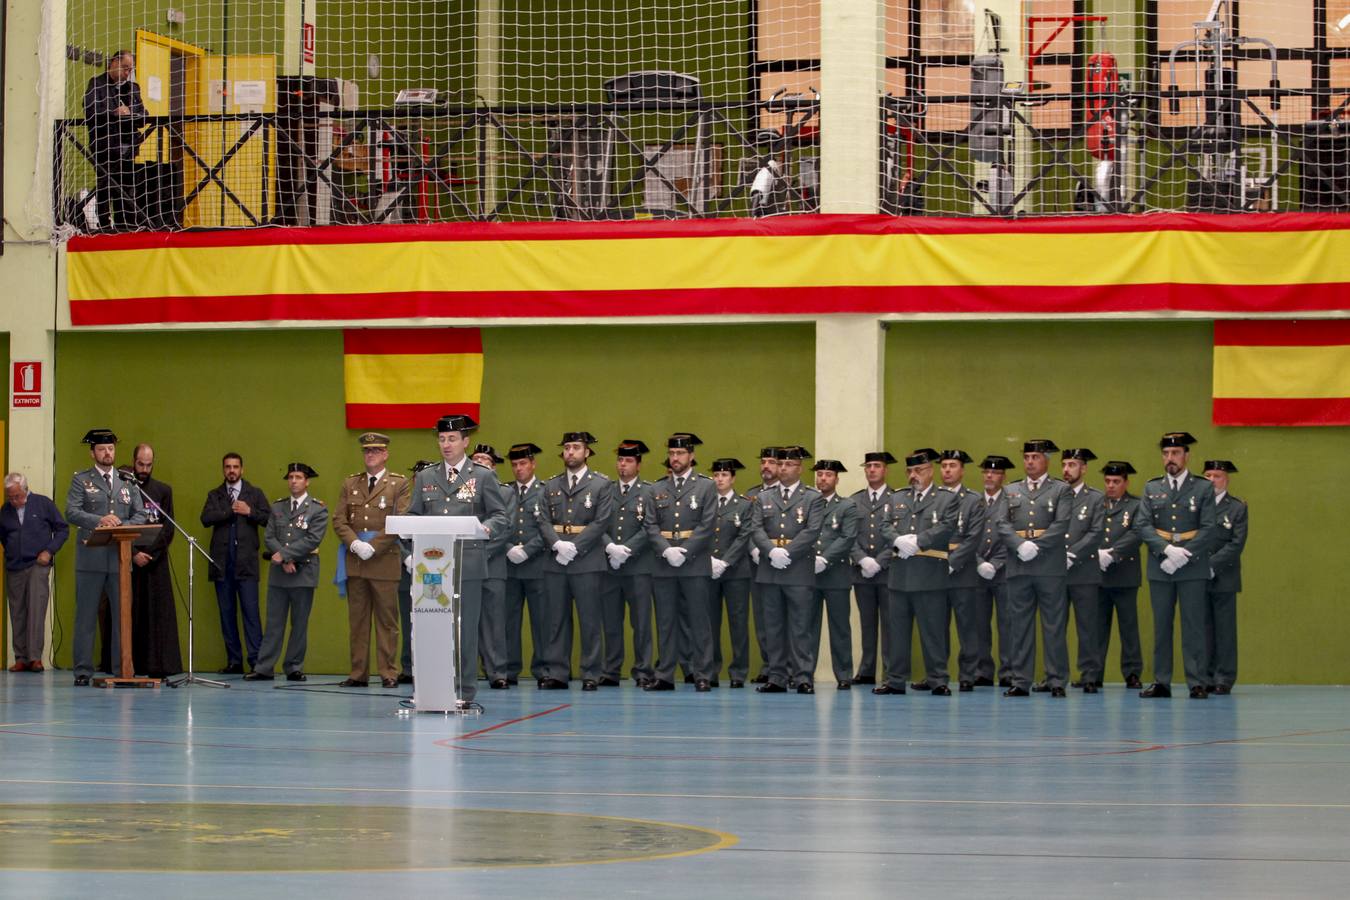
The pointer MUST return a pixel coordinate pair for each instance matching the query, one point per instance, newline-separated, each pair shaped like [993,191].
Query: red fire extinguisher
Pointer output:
[1103,84]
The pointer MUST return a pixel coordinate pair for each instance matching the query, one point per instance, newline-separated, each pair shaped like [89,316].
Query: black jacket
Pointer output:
[109,133]
[216,513]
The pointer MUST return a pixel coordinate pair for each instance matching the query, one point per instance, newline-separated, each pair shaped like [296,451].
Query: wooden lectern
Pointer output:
[124,536]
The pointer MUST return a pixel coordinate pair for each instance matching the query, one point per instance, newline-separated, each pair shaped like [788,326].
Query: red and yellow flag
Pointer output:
[410,377]
[1282,372]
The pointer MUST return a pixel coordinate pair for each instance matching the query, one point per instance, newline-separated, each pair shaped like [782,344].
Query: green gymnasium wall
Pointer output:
[1114,387]
[276,396]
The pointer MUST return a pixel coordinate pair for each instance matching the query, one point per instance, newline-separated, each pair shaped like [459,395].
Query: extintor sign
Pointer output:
[27,384]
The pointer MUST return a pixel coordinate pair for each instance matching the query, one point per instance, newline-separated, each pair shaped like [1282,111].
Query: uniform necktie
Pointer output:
[372,483]
[572,485]
[874,497]
[721,502]
[988,501]
[454,473]
[295,504]
[107,476]
[625,489]
[786,494]
[522,492]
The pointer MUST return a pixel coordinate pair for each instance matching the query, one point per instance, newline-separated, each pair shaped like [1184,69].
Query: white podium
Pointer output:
[435,603]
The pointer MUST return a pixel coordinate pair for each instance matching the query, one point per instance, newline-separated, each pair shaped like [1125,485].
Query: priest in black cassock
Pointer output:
[154,614]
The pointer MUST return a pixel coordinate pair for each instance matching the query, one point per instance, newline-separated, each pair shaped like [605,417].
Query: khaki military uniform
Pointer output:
[372,584]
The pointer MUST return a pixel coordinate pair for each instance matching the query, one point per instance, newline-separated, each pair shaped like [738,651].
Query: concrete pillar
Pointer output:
[487,85]
[851,40]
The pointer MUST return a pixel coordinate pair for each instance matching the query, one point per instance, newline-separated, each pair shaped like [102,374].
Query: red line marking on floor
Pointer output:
[450,742]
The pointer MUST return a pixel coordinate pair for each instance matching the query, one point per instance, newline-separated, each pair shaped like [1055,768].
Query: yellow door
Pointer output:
[234,85]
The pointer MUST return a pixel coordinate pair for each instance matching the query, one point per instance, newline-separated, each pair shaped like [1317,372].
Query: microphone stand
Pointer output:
[188,677]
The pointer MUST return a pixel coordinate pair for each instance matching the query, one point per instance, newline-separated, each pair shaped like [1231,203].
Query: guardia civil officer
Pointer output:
[295,529]
[870,557]
[405,594]
[1118,558]
[838,537]
[965,588]
[371,559]
[679,528]
[573,520]
[786,525]
[1176,522]
[1033,531]
[459,487]
[492,622]
[525,565]
[99,497]
[731,571]
[1083,582]
[1225,580]
[919,531]
[993,571]
[768,478]
[627,585]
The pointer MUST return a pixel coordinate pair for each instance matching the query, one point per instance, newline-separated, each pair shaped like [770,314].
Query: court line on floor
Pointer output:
[1067,856]
[663,795]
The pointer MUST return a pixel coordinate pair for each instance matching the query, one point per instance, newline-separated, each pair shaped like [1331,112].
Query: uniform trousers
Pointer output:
[735,596]
[971,607]
[682,604]
[519,592]
[930,611]
[1085,599]
[466,662]
[1221,646]
[89,589]
[582,589]
[789,618]
[1165,596]
[1124,602]
[492,628]
[632,594]
[998,597]
[837,606]
[870,598]
[1028,595]
[281,601]
[369,599]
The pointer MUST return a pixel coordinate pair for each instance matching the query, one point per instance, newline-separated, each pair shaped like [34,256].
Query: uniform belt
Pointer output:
[1031,533]
[780,542]
[934,554]
[569,528]
[1176,535]
[677,535]
[951,547]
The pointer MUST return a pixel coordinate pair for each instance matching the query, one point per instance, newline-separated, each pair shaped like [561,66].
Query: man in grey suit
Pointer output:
[1033,531]
[525,565]
[99,497]
[294,532]
[492,623]
[918,533]
[838,537]
[870,557]
[730,571]
[965,589]
[679,528]
[1084,578]
[991,567]
[1118,558]
[627,585]
[785,526]
[768,478]
[459,487]
[1176,522]
[573,521]
[1225,579]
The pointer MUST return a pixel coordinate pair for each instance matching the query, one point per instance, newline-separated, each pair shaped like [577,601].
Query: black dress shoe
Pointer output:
[1223,690]
[1040,687]
[296,676]
[511,681]
[761,678]
[688,679]
[232,669]
[1090,689]
[499,684]
[588,685]
[657,685]
[887,689]
[806,687]
[81,680]
[608,682]
[1005,682]
[388,682]
[405,678]
[351,682]
[769,687]
[941,690]
[255,675]
[919,686]
[845,685]
[983,682]
[552,684]
[1156,690]
[1199,693]
[1075,684]
[967,686]
[703,685]
[1015,691]
[643,681]
[714,682]
[1209,689]
[737,683]
[864,679]
[1057,692]
[1097,684]
[1133,682]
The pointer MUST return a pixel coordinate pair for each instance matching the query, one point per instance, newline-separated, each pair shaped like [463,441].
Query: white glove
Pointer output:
[1211,574]
[361,549]
[408,564]
[754,555]
[718,567]
[616,562]
[906,545]
[821,564]
[618,553]
[674,556]
[1027,551]
[950,570]
[1167,567]
[1105,559]
[986,570]
[869,567]
[1177,556]
[564,552]
[1069,559]
[517,554]
[779,558]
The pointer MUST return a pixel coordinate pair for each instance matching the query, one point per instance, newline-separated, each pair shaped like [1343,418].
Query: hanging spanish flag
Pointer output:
[410,377]
[1278,372]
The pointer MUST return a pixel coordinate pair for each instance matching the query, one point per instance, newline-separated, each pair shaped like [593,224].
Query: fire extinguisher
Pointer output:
[1103,84]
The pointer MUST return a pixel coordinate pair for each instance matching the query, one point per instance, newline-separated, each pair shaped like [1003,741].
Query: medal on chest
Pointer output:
[736,519]
[637,510]
[381,502]
[693,503]
[1227,522]
[1192,504]
[1082,513]
[587,501]
[1125,519]
[801,515]
[467,491]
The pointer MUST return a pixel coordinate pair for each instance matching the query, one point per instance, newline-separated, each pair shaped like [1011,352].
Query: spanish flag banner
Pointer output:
[410,377]
[1279,372]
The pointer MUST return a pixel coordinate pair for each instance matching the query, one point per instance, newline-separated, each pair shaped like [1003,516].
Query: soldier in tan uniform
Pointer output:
[372,559]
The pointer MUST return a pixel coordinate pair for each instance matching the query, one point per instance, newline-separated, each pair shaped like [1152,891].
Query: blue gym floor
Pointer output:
[330,793]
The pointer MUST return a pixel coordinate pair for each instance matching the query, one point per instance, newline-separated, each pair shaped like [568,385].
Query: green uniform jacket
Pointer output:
[1226,560]
[1190,509]
[963,548]
[685,510]
[628,527]
[580,515]
[992,549]
[475,492]
[500,540]
[838,537]
[1087,520]
[871,516]
[1044,514]
[523,531]
[88,500]
[1119,536]
[932,518]
[296,536]
[792,524]
[731,537]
